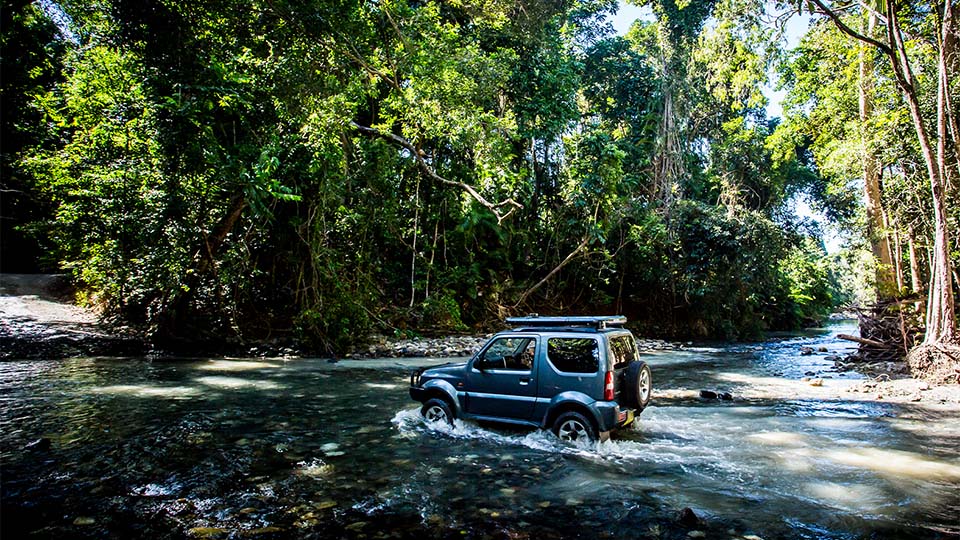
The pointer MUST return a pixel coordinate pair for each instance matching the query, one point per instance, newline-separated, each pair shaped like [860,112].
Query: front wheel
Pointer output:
[574,427]
[437,410]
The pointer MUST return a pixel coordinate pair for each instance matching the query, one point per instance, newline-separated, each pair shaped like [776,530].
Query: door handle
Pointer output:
[525,380]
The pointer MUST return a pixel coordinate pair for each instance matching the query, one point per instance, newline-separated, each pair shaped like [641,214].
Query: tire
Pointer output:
[639,386]
[574,427]
[437,410]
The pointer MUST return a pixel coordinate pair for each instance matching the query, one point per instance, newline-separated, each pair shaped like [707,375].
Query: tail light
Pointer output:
[608,387]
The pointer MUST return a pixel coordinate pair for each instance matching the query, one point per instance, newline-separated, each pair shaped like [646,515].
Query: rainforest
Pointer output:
[230,171]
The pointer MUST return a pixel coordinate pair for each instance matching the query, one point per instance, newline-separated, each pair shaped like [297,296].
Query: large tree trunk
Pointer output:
[668,165]
[883,267]
[941,318]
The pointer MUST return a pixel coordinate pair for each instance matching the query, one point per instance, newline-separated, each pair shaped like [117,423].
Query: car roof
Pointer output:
[598,322]
[567,330]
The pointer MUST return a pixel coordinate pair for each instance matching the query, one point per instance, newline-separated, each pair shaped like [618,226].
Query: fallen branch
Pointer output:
[864,341]
[546,278]
[428,170]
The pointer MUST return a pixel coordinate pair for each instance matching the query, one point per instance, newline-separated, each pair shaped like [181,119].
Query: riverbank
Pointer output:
[38,321]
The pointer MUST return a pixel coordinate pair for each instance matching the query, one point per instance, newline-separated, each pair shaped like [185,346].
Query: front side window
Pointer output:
[508,353]
[573,355]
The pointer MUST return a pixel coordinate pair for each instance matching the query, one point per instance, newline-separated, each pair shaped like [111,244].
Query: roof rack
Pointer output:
[595,321]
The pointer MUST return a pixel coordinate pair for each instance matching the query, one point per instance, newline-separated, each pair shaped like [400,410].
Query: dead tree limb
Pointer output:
[864,341]
[570,257]
[496,208]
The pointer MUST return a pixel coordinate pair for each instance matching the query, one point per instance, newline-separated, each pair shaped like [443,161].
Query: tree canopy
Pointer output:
[242,169]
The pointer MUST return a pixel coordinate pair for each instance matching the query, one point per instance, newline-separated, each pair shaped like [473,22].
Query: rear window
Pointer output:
[624,350]
[573,355]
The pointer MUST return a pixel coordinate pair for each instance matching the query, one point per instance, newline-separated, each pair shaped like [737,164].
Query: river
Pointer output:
[301,448]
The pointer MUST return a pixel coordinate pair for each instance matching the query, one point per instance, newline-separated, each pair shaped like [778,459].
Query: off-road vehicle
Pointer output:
[580,377]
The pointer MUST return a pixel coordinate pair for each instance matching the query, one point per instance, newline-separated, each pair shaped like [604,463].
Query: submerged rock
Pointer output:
[263,530]
[39,445]
[711,394]
[207,532]
[688,518]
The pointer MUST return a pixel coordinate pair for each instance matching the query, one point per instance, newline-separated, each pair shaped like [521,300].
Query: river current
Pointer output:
[302,448]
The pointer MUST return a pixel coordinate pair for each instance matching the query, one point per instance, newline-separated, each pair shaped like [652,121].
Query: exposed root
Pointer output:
[937,364]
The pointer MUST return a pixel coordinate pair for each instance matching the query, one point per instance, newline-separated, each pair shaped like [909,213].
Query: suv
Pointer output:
[581,377]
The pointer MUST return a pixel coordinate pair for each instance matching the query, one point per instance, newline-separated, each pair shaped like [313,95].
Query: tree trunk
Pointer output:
[883,268]
[941,318]
[413,256]
[667,164]
[663,163]
[916,281]
[897,256]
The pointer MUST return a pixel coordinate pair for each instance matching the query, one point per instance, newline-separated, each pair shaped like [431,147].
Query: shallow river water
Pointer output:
[110,448]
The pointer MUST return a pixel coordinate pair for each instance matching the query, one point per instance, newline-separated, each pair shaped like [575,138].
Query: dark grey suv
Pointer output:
[581,377]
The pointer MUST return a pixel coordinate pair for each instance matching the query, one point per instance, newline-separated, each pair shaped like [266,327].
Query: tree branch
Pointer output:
[496,208]
[824,10]
[570,257]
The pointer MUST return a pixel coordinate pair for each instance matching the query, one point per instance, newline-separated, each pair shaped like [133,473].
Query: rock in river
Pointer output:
[39,445]
[688,518]
[710,394]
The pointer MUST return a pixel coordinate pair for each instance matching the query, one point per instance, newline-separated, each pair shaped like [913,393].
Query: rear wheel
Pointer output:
[437,410]
[574,427]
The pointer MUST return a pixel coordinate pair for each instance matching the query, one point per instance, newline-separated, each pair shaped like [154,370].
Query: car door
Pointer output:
[500,381]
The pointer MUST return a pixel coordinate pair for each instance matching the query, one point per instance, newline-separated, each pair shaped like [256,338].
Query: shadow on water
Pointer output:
[304,449]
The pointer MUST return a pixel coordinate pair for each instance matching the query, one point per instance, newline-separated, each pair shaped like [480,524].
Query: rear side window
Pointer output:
[573,355]
[624,350]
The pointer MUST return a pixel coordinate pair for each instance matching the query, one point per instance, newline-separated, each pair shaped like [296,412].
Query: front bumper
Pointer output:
[418,394]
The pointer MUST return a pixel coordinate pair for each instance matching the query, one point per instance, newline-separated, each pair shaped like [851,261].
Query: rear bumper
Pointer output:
[612,417]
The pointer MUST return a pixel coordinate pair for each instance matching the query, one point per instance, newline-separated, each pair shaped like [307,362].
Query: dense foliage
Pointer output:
[247,169]
[874,92]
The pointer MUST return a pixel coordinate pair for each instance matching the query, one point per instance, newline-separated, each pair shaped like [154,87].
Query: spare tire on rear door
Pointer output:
[638,386]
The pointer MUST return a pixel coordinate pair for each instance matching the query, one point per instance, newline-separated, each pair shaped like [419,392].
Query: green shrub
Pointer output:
[442,312]
[334,327]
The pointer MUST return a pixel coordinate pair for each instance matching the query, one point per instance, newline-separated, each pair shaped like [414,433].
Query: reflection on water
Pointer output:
[248,448]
